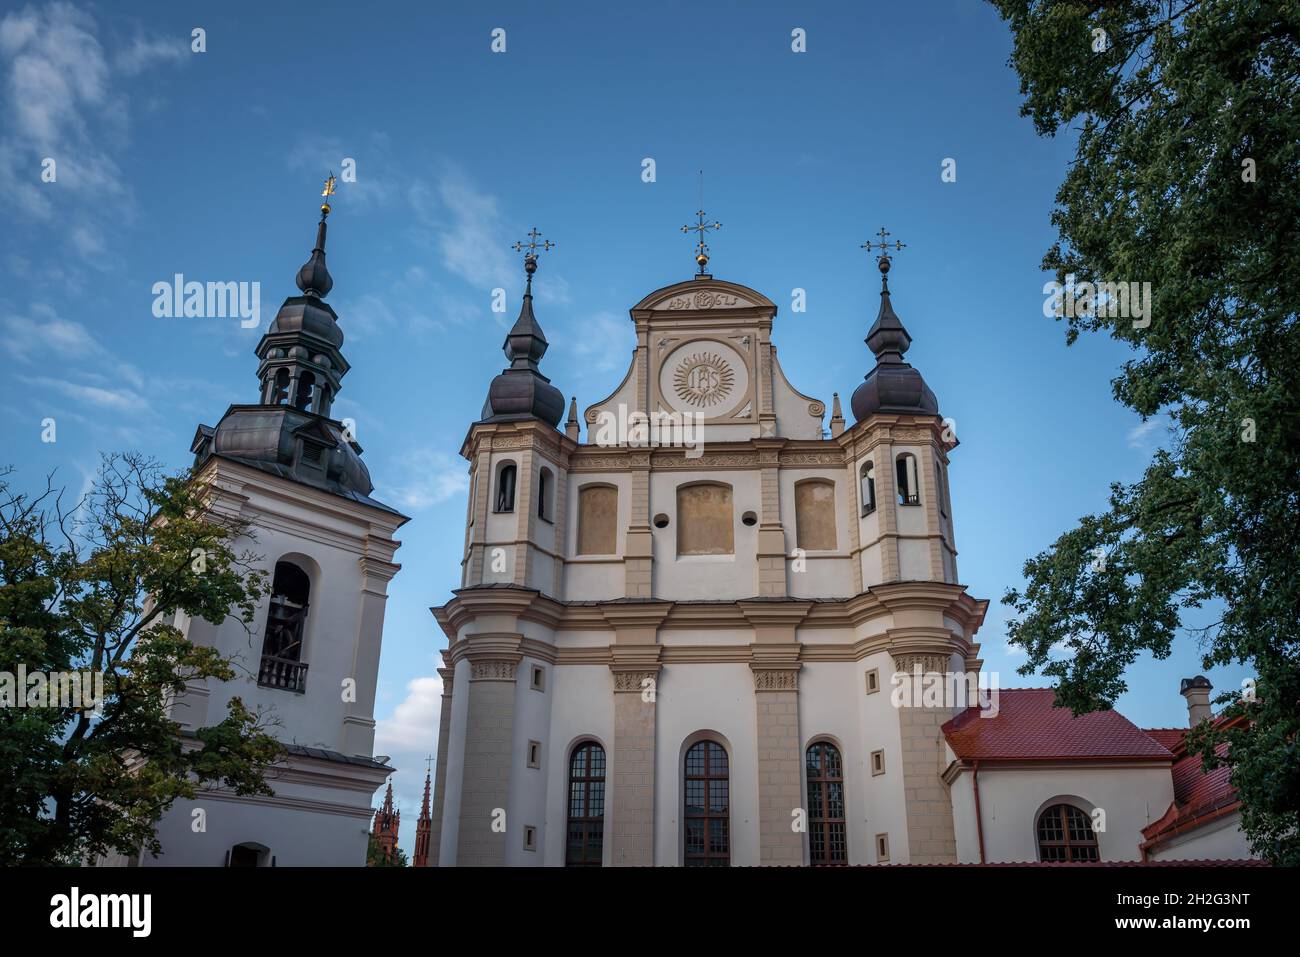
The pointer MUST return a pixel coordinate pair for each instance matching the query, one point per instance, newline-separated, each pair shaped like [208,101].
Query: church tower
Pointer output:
[422,828]
[679,635]
[384,830]
[295,475]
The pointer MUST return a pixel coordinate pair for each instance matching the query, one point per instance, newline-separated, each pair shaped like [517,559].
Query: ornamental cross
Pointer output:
[883,245]
[428,765]
[701,227]
[533,245]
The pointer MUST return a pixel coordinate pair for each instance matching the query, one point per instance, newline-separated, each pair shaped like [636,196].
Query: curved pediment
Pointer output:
[703,295]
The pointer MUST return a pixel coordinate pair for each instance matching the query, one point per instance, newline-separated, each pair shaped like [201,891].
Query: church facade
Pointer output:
[724,631]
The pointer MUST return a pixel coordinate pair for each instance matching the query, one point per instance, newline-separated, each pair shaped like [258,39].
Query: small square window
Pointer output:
[882,847]
[878,762]
[537,679]
[873,681]
[530,837]
[534,754]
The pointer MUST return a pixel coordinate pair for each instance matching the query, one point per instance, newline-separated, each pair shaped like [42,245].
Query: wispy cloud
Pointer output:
[60,104]
[430,478]
[1149,435]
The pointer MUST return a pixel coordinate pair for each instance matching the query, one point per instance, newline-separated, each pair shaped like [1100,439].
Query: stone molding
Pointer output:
[775,679]
[493,669]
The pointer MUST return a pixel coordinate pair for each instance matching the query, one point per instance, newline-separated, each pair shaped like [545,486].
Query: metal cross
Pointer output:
[701,249]
[883,245]
[428,764]
[533,245]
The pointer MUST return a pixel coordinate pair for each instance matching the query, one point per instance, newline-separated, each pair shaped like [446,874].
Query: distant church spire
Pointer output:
[892,386]
[424,823]
[387,823]
[521,391]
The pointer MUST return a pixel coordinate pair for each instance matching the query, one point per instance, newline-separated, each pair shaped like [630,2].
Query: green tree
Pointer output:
[375,856]
[1187,176]
[96,588]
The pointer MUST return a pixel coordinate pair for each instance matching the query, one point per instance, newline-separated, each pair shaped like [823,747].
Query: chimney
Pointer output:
[1197,692]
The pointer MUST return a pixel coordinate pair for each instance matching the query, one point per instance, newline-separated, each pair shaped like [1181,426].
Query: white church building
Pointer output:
[677,642]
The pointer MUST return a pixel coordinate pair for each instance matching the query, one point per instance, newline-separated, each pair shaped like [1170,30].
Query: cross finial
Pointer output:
[428,765]
[530,257]
[327,192]
[701,227]
[883,260]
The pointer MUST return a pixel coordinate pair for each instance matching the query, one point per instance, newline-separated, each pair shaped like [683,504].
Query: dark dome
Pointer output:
[522,393]
[309,315]
[268,437]
[894,387]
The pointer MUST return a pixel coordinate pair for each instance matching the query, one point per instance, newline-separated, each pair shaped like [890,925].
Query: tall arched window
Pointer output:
[506,488]
[867,480]
[1065,834]
[282,665]
[306,386]
[814,514]
[597,520]
[827,841]
[586,833]
[909,489]
[707,811]
[545,493]
[706,524]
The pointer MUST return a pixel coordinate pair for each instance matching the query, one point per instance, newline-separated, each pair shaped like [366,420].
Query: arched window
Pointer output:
[706,524]
[814,514]
[306,385]
[707,812]
[282,665]
[940,490]
[909,490]
[323,400]
[545,493]
[597,520]
[280,391]
[506,488]
[867,480]
[827,841]
[586,833]
[1065,834]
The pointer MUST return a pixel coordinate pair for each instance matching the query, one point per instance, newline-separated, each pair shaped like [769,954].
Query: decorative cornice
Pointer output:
[629,680]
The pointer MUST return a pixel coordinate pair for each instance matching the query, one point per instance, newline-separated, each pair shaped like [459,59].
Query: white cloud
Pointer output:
[58,102]
[115,400]
[413,728]
[145,52]
[604,345]
[431,478]
[1150,434]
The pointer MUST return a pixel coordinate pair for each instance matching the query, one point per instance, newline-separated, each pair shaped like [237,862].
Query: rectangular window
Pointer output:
[882,847]
[530,837]
[538,680]
[534,754]
[873,681]
[877,762]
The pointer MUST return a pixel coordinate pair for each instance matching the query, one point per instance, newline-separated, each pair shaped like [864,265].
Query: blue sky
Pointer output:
[209,164]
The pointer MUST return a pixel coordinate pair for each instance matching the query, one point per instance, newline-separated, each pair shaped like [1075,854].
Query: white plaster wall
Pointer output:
[526,804]
[718,698]
[828,574]
[1010,800]
[1222,840]
[878,718]
[297,835]
[834,705]
[315,717]
[793,419]
[695,577]
[455,764]
[913,557]
[582,708]
[963,819]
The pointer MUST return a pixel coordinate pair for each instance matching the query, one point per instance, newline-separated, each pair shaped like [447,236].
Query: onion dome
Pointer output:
[892,386]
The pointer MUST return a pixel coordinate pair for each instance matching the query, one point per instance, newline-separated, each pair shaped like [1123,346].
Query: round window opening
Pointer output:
[749,518]
[661,520]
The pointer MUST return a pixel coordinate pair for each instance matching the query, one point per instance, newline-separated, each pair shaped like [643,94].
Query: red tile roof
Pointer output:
[1200,797]
[1028,727]
[1171,738]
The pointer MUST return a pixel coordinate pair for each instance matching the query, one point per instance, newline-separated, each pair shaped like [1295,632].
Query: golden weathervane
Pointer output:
[327,192]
